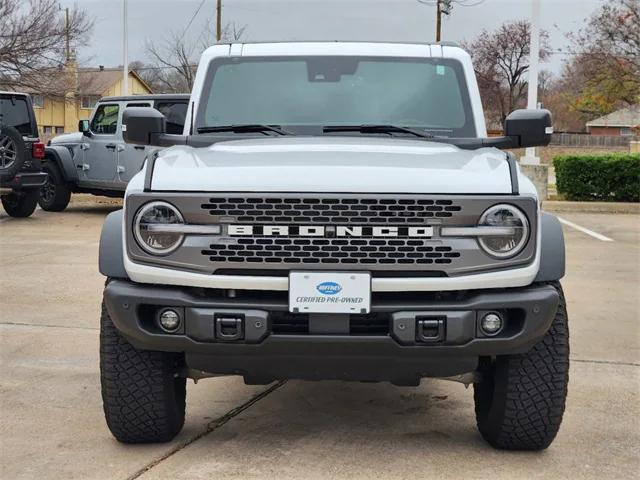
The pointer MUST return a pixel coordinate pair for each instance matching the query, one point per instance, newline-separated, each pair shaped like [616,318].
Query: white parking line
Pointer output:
[585,230]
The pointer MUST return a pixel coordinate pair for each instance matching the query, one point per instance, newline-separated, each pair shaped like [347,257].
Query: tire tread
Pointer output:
[529,391]
[143,399]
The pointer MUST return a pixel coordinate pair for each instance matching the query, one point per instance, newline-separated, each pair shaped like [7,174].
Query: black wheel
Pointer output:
[22,204]
[54,194]
[143,398]
[521,400]
[13,152]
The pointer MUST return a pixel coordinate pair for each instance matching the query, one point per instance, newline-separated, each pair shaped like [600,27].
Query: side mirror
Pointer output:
[83,127]
[140,125]
[529,128]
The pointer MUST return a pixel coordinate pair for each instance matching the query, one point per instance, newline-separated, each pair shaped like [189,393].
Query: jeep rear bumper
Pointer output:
[254,335]
[24,181]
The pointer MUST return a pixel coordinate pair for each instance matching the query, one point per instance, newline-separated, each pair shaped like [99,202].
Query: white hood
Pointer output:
[332,164]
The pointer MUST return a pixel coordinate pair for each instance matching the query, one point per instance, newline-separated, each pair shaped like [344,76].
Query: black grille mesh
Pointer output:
[337,211]
[365,251]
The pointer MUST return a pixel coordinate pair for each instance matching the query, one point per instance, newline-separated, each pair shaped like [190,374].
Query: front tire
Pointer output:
[20,205]
[54,194]
[521,400]
[143,398]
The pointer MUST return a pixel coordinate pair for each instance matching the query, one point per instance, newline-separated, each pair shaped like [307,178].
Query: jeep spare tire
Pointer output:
[13,152]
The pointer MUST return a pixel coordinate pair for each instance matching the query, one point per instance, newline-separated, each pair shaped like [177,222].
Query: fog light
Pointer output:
[169,320]
[491,324]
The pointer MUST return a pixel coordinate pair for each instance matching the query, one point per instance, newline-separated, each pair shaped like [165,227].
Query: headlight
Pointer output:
[152,228]
[504,245]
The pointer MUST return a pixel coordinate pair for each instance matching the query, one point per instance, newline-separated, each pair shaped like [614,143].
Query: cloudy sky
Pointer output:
[393,20]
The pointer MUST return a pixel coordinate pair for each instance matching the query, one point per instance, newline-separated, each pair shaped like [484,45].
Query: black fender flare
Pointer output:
[60,156]
[111,253]
[552,253]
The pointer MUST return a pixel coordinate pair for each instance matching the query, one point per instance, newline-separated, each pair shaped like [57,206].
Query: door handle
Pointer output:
[83,166]
[110,146]
[120,169]
[139,147]
[120,148]
[84,146]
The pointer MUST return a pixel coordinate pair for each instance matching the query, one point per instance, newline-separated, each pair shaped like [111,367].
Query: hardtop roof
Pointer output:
[159,96]
[19,94]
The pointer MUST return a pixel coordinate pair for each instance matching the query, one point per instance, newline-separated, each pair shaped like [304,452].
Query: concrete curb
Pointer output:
[591,207]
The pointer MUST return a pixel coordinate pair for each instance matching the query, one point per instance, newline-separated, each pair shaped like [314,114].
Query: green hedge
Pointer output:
[611,178]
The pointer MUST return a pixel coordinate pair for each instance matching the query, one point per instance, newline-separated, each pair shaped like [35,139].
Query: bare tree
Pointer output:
[614,29]
[232,32]
[501,62]
[175,63]
[34,37]
[603,73]
[174,60]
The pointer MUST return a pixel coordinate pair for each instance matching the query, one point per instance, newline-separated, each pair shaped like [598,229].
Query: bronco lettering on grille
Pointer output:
[330,231]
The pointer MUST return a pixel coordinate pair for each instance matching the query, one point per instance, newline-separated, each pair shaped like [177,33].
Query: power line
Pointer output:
[191,21]
[461,3]
[445,7]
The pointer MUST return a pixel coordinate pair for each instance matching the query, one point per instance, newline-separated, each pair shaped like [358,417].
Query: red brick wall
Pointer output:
[613,131]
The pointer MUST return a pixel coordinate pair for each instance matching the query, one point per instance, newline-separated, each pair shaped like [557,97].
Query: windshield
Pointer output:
[425,93]
[14,112]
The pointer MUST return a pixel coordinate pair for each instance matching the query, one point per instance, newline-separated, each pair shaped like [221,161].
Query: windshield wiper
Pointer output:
[245,129]
[377,129]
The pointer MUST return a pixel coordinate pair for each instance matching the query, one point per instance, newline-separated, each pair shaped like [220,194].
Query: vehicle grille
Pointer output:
[328,251]
[265,252]
[309,211]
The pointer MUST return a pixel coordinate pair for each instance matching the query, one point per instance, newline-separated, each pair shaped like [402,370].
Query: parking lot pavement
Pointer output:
[51,422]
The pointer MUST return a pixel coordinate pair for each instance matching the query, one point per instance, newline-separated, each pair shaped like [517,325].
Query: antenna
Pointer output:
[193,107]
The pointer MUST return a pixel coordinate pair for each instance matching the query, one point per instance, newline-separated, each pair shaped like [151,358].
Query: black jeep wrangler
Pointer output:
[21,152]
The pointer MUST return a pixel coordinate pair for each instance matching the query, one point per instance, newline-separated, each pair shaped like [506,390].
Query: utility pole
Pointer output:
[438,20]
[67,36]
[219,21]
[125,50]
[445,7]
[530,157]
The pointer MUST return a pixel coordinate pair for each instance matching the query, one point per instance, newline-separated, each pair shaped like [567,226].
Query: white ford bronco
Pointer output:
[334,211]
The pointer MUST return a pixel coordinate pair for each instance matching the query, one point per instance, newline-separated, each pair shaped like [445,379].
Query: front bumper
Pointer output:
[383,346]
[25,181]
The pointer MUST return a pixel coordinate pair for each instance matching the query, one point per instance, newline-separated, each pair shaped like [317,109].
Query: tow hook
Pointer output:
[229,329]
[430,330]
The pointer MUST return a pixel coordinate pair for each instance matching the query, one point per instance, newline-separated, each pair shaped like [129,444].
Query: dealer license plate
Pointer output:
[329,292]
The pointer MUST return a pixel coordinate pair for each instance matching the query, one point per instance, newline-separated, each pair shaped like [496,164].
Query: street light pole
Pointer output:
[125,50]
[530,157]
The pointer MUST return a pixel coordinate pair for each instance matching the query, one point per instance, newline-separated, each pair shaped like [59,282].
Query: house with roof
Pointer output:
[624,122]
[79,91]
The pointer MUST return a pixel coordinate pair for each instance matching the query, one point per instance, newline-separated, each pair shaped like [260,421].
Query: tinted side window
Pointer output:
[175,113]
[15,113]
[105,121]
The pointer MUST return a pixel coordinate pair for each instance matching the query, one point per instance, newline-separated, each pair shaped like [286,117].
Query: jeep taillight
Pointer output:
[37,151]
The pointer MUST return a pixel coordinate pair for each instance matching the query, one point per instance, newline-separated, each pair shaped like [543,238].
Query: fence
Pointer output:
[590,141]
